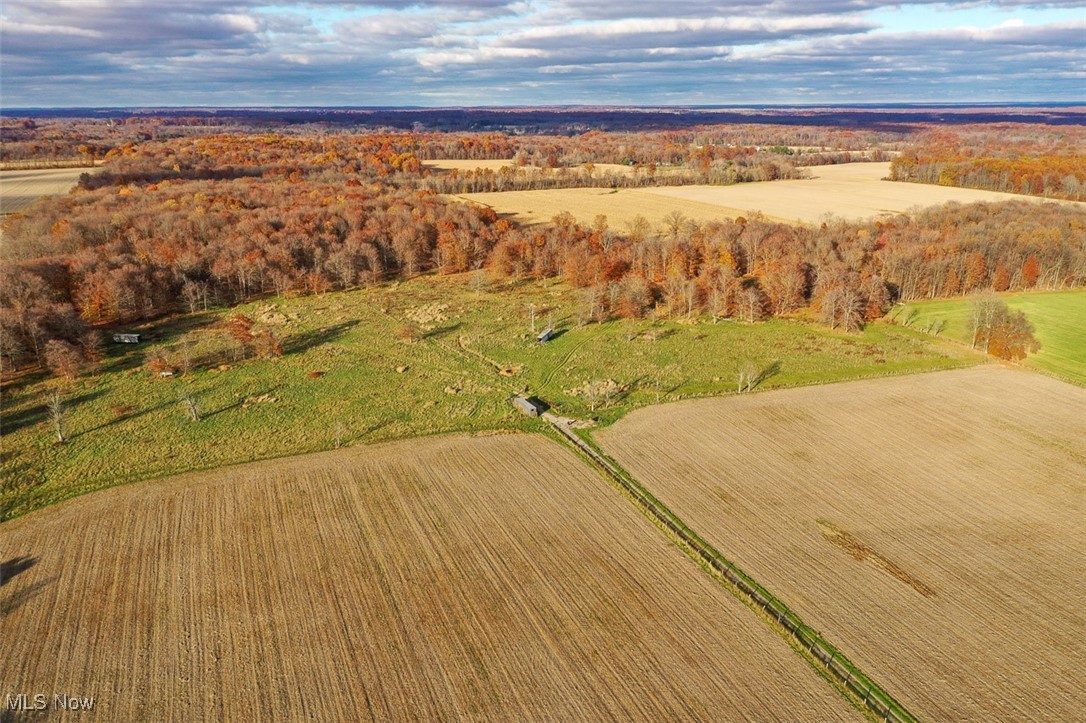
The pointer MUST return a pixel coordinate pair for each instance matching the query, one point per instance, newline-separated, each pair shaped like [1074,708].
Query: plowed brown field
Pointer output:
[932,526]
[493,578]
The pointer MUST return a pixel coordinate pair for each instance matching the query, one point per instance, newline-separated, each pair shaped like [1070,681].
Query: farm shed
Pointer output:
[545,335]
[530,406]
[126,338]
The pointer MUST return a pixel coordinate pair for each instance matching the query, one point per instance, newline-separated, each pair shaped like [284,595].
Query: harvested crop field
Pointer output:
[932,526]
[486,578]
[18,189]
[620,206]
[497,164]
[852,191]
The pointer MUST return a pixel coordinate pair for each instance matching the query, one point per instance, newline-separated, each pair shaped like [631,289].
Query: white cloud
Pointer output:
[495,51]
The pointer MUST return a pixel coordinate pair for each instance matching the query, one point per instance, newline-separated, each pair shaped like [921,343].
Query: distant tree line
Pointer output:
[1032,160]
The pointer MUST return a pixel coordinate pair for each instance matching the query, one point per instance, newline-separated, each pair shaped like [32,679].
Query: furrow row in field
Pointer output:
[488,578]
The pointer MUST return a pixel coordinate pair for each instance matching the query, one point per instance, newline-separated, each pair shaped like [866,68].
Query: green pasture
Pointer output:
[1059,318]
[401,360]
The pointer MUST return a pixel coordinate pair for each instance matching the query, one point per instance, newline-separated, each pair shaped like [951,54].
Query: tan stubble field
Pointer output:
[932,526]
[18,189]
[487,578]
[853,191]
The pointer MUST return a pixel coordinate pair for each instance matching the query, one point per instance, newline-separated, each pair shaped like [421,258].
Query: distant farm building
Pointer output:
[529,406]
[545,335]
[126,338]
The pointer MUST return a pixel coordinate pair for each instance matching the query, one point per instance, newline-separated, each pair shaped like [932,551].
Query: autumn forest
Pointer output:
[183,222]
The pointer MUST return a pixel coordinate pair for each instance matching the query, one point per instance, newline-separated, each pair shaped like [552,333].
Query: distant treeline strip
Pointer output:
[884,705]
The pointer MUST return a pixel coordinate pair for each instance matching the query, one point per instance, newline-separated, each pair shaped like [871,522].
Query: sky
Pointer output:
[93,53]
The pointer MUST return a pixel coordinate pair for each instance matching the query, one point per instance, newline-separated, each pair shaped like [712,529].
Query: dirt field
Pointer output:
[18,189]
[851,191]
[455,578]
[933,526]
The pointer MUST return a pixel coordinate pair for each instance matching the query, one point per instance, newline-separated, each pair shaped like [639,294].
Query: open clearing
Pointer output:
[933,526]
[346,376]
[1059,318]
[19,189]
[621,206]
[488,578]
[852,191]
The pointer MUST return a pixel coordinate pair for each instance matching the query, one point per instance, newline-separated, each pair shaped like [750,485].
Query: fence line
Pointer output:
[840,667]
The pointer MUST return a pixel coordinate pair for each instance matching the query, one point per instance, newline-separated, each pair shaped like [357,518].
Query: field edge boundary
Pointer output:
[874,696]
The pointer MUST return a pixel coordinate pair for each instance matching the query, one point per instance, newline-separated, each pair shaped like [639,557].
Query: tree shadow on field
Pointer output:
[17,599]
[122,417]
[441,331]
[555,335]
[239,403]
[298,343]
[768,372]
[33,414]
[13,381]
[14,566]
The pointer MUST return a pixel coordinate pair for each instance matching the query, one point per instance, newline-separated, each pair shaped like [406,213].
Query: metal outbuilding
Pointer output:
[529,406]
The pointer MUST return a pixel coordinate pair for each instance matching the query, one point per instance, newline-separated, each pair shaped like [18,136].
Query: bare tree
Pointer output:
[666,379]
[479,281]
[745,376]
[188,402]
[56,407]
[753,300]
[195,294]
[983,314]
[63,359]
[750,374]
[673,222]
[601,393]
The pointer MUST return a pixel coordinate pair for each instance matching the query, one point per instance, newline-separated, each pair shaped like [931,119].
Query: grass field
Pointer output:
[125,424]
[1059,318]
[18,189]
[440,579]
[929,525]
[851,191]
